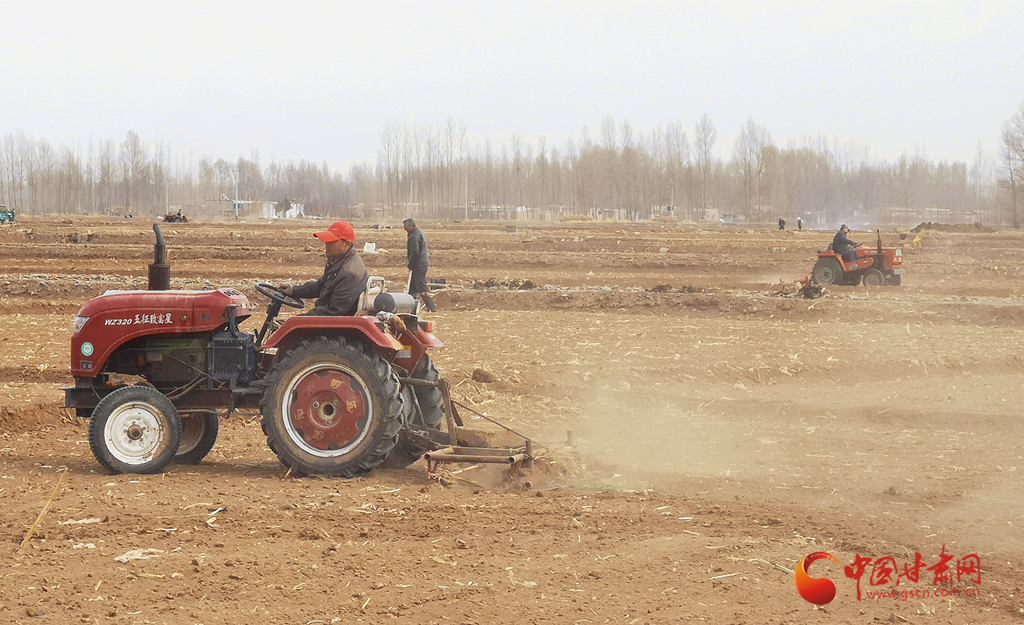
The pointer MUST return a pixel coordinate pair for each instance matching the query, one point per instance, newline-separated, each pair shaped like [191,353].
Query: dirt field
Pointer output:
[723,432]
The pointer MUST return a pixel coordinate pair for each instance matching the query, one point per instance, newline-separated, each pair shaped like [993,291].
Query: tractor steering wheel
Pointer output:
[265,288]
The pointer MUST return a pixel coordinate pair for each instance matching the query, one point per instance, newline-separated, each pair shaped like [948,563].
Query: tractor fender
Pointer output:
[860,264]
[302,327]
[415,344]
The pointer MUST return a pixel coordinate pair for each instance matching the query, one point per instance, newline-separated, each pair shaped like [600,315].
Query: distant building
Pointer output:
[255,209]
[900,215]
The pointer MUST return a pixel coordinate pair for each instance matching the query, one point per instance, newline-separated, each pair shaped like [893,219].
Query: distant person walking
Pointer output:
[799,223]
[782,223]
[418,261]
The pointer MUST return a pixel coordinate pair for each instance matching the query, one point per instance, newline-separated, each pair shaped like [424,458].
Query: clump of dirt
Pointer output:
[664,288]
[512,284]
[80,237]
[974,227]
[807,291]
[30,417]
[812,291]
[484,376]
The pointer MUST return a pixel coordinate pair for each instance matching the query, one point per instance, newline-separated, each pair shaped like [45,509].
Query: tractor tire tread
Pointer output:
[211,428]
[431,403]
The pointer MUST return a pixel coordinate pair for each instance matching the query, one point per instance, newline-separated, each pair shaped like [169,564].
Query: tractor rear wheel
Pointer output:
[134,429]
[873,277]
[431,403]
[199,431]
[827,271]
[430,399]
[332,408]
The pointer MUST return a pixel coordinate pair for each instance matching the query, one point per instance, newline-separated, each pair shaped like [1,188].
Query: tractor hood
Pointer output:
[106,322]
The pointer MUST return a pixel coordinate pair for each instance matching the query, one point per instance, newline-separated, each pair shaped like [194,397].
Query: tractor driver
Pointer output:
[337,291]
[843,246]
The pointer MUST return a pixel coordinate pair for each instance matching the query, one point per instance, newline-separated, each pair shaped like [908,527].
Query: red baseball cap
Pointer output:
[339,230]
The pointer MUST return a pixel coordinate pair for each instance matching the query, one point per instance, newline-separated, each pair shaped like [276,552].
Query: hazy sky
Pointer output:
[318,80]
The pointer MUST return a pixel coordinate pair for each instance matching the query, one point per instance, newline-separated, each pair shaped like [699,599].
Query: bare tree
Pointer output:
[250,177]
[630,176]
[388,161]
[609,149]
[704,137]
[133,169]
[676,157]
[748,164]
[1012,153]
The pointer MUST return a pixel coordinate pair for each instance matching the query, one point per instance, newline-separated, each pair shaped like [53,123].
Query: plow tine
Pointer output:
[516,458]
[449,410]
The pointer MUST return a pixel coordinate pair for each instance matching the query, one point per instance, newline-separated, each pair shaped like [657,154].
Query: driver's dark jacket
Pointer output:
[337,291]
[841,243]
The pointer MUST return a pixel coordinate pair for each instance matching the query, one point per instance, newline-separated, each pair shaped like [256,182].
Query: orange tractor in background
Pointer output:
[877,266]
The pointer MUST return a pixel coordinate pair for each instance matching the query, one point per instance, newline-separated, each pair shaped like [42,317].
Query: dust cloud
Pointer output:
[666,431]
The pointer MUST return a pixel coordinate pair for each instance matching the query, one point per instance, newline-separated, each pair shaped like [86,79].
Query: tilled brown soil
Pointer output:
[723,430]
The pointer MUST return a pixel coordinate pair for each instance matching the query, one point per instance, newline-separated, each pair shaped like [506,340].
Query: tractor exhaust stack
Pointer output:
[159,271]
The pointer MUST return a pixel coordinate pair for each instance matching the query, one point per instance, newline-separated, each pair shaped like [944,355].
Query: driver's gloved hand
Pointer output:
[285,288]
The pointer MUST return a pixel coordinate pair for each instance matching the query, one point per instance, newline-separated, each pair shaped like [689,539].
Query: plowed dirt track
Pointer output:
[724,431]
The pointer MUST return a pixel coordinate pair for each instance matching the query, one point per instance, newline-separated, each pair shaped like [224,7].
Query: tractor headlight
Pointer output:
[77,325]
[899,251]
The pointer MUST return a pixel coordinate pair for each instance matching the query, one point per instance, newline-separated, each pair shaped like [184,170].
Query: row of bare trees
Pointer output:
[433,171]
[637,175]
[132,178]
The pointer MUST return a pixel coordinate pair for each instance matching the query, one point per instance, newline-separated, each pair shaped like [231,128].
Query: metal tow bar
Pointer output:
[515,457]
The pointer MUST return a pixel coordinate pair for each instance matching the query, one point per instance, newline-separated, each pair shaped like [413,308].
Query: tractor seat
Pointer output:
[374,287]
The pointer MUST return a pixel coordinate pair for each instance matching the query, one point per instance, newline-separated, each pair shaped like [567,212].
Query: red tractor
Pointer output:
[338,395]
[876,266]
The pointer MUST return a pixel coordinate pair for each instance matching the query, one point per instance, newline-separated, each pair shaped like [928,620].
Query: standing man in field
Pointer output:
[418,261]
[337,291]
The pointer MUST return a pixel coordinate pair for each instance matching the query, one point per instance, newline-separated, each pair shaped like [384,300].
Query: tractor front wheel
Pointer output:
[199,431]
[134,429]
[827,271]
[873,277]
[332,408]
